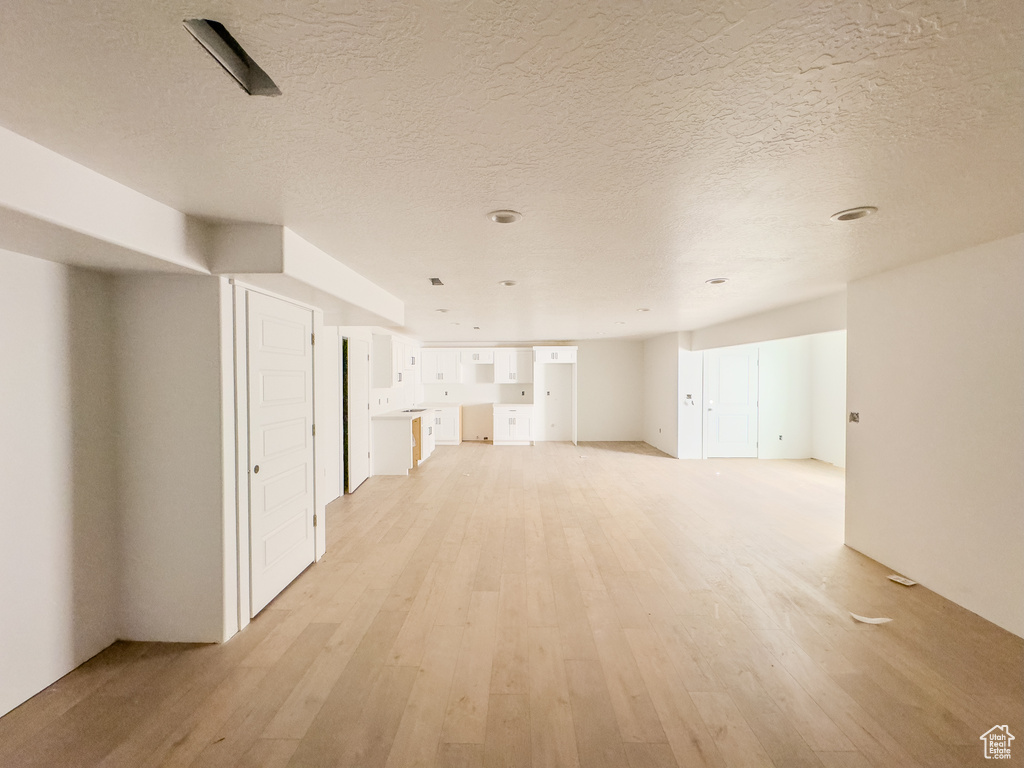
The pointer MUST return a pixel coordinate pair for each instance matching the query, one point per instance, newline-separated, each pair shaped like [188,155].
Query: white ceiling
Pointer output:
[649,145]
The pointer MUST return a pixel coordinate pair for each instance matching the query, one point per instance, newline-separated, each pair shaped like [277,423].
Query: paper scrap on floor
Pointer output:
[866,620]
[902,580]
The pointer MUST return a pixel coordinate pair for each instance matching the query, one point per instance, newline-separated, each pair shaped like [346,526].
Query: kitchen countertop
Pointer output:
[399,415]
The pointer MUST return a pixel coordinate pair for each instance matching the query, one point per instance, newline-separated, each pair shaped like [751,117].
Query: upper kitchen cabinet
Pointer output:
[555,354]
[513,365]
[439,366]
[388,361]
[411,358]
[476,356]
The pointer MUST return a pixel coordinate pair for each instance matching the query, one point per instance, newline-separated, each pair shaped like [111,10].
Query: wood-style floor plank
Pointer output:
[558,606]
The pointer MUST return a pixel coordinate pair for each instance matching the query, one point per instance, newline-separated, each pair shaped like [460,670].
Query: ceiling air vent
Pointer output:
[229,54]
[436,281]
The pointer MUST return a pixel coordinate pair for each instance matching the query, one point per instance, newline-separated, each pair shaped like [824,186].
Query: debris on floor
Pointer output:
[902,580]
[866,620]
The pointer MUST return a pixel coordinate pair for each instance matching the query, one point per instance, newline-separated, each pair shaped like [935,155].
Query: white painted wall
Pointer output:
[610,390]
[784,399]
[691,409]
[828,397]
[934,483]
[809,317]
[661,393]
[174,363]
[58,522]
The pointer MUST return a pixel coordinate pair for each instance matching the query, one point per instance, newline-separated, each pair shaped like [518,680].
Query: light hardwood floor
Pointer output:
[558,606]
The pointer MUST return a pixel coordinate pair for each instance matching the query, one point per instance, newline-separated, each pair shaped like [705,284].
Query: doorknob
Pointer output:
[256,469]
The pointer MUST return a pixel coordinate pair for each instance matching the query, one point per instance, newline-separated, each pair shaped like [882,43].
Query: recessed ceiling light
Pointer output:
[620,322]
[507,283]
[717,280]
[442,311]
[476,327]
[643,309]
[852,214]
[504,216]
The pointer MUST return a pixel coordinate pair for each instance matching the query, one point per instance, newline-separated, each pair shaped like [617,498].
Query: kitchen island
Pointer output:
[401,440]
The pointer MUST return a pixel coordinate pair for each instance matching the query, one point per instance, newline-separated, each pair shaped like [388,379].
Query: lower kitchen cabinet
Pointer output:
[448,425]
[513,424]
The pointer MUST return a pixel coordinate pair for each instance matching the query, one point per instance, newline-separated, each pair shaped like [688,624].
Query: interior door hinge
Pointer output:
[314,430]
[312,338]
[314,519]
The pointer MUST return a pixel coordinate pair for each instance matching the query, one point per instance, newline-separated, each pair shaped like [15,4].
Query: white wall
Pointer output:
[174,362]
[691,409]
[818,316]
[58,523]
[610,389]
[784,399]
[828,397]
[661,393]
[328,413]
[934,482]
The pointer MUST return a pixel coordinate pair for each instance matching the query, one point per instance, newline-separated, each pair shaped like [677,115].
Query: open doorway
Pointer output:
[778,399]
[355,410]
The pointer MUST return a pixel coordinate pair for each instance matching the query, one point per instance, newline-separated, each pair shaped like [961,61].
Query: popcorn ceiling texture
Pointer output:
[650,145]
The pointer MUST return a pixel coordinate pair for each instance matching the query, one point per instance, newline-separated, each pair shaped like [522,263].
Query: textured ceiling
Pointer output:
[649,145]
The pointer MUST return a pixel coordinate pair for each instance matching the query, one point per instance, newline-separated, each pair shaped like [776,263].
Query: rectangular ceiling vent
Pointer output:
[436,281]
[219,43]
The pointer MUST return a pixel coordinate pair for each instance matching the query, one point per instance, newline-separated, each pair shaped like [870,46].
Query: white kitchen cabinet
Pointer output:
[401,441]
[387,368]
[513,424]
[439,366]
[411,358]
[513,365]
[476,356]
[448,425]
[554,355]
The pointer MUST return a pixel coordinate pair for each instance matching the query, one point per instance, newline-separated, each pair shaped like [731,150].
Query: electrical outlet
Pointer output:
[780,437]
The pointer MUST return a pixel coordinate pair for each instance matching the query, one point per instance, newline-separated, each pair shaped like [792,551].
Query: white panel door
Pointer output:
[281,506]
[358,409]
[730,402]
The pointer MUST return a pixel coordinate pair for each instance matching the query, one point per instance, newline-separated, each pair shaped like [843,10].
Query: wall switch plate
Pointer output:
[854,416]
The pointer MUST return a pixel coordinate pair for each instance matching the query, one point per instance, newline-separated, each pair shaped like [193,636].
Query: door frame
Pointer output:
[242,462]
[346,350]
